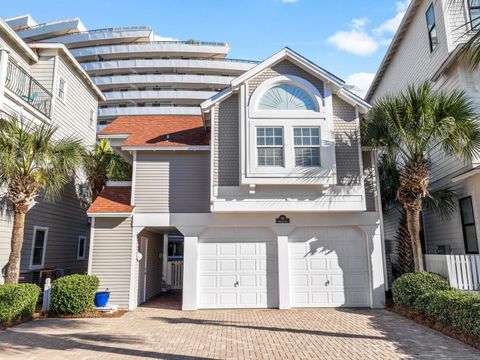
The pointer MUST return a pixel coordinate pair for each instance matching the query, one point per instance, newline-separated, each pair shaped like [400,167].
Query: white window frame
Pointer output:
[64,98]
[270,146]
[311,146]
[44,251]
[84,238]
[288,119]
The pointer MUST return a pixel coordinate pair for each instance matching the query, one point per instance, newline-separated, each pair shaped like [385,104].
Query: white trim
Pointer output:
[90,247]
[44,250]
[134,178]
[113,136]
[18,40]
[133,295]
[119,183]
[466,175]
[167,148]
[84,238]
[65,90]
[106,214]
[143,272]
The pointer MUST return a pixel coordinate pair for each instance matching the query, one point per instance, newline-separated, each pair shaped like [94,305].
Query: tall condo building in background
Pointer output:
[139,72]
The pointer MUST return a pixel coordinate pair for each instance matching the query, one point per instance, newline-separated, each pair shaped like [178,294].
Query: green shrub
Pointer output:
[452,307]
[17,301]
[408,287]
[73,294]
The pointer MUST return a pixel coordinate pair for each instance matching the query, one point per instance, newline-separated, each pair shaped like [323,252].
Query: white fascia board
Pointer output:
[166,148]
[123,215]
[222,95]
[466,175]
[74,62]
[354,100]
[18,40]
[113,136]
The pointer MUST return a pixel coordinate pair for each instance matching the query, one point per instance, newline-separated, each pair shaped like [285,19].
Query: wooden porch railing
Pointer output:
[175,274]
[462,271]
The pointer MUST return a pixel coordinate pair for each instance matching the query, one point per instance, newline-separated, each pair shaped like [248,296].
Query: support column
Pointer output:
[375,257]
[283,272]
[190,266]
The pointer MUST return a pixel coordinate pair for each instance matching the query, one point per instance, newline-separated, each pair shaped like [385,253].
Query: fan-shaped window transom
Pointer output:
[286,97]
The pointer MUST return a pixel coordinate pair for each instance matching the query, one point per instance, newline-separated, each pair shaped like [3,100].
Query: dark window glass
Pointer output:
[468,225]
[38,247]
[431,27]
[474,7]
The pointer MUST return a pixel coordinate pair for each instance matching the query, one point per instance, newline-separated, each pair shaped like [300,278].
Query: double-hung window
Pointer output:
[270,146]
[307,146]
[40,235]
[432,28]
[62,89]
[474,8]
[468,225]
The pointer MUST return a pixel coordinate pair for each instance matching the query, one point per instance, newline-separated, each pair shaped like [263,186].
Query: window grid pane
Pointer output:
[38,247]
[307,146]
[270,146]
[468,225]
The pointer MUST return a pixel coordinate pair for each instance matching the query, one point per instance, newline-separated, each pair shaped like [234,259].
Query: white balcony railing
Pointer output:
[462,271]
[175,274]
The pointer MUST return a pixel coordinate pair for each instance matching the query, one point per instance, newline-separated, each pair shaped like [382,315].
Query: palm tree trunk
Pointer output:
[413,222]
[13,266]
[404,247]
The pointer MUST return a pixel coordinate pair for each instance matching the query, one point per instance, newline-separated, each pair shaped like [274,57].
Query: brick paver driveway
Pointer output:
[155,331]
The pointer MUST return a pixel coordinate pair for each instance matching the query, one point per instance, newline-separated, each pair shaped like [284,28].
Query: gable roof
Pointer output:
[158,131]
[113,200]
[392,49]
[297,59]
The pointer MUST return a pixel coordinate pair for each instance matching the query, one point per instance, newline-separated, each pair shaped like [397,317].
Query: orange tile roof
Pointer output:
[113,199]
[160,130]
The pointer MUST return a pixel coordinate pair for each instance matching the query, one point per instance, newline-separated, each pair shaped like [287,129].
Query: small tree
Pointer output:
[31,162]
[413,124]
[103,164]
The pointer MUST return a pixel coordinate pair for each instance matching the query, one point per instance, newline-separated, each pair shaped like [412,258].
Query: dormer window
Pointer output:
[286,97]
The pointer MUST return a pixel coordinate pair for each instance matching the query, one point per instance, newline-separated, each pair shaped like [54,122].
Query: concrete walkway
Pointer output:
[157,331]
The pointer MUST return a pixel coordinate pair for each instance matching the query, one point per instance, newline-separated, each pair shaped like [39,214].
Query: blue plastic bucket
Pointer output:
[101,298]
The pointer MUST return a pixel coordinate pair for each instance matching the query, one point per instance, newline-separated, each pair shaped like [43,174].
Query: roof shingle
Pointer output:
[113,199]
[160,130]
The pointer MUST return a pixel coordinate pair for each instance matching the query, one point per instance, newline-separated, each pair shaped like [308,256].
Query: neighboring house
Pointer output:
[43,83]
[270,192]
[426,48]
[139,72]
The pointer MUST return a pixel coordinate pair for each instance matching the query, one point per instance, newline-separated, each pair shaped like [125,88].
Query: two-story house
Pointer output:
[43,83]
[270,191]
[426,48]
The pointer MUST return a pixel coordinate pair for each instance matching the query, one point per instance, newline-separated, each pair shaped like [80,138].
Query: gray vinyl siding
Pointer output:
[391,222]
[369,180]
[172,182]
[347,139]
[66,221]
[226,150]
[112,256]
[43,71]
[154,263]
[73,115]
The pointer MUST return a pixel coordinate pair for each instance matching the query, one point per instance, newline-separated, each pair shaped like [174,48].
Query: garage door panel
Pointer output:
[328,268]
[208,281]
[243,258]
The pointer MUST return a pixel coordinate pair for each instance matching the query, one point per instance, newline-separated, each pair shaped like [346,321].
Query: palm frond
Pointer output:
[442,202]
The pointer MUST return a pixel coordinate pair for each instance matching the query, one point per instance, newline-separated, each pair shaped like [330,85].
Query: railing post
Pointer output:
[46,295]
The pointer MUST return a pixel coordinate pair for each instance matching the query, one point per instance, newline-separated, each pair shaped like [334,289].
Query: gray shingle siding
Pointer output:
[227,137]
[369,180]
[172,182]
[346,143]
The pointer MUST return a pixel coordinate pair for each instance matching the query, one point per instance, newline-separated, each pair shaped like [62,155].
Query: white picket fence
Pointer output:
[462,271]
[175,274]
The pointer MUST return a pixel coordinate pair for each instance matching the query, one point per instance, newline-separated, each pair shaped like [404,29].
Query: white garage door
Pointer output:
[237,269]
[329,267]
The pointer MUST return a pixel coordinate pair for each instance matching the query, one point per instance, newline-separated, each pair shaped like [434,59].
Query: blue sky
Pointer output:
[346,37]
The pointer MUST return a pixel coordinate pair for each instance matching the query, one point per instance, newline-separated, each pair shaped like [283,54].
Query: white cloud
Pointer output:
[362,41]
[290,1]
[391,25]
[360,82]
[355,41]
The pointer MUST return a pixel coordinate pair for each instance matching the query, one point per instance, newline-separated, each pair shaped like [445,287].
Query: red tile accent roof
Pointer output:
[113,199]
[183,130]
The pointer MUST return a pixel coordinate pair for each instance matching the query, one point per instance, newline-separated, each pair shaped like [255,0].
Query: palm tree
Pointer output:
[103,164]
[413,124]
[442,202]
[32,162]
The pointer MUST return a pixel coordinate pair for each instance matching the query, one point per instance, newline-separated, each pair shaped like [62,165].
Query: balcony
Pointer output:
[114,112]
[161,94]
[28,89]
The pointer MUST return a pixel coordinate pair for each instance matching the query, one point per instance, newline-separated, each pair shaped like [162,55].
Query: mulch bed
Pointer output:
[436,325]
[39,315]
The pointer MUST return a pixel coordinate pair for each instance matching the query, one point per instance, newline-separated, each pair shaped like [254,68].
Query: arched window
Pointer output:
[286,97]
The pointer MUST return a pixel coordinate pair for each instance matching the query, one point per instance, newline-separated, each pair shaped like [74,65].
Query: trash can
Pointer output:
[101,298]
